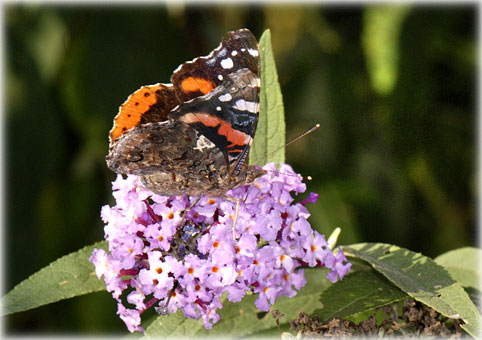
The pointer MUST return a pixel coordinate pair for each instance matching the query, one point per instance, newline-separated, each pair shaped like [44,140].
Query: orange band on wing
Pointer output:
[131,111]
[235,137]
[192,84]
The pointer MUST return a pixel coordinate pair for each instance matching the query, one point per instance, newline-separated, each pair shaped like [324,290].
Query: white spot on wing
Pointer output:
[252,107]
[218,108]
[225,97]
[220,77]
[240,104]
[234,53]
[253,52]
[245,105]
[227,63]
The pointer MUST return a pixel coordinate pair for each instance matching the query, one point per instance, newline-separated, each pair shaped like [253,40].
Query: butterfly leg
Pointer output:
[162,310]
[235,214]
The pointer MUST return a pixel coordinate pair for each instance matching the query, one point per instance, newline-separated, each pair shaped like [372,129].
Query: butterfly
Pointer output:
[193,136]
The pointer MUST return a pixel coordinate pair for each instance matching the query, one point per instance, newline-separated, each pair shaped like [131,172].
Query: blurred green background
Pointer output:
[393,87]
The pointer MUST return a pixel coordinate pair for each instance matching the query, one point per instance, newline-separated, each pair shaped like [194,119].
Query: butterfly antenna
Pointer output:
[317,126]
[308,178]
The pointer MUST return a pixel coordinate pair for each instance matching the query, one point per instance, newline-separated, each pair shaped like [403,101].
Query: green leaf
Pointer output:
[359,291]
[243,318]
[422,279]
[308,300]
[174,325]
[463,265]
[69,276]
[270,133]
[380,41]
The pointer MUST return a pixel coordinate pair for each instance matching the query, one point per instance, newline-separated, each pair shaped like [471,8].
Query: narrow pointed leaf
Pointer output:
[69,276]
[270,133]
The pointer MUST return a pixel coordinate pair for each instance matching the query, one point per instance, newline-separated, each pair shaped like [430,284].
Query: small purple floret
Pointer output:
[312,198]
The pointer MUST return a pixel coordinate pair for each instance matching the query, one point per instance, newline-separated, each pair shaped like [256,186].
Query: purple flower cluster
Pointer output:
[160,257]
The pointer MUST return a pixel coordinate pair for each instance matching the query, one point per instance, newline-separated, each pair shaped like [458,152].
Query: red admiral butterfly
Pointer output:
[193,136]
